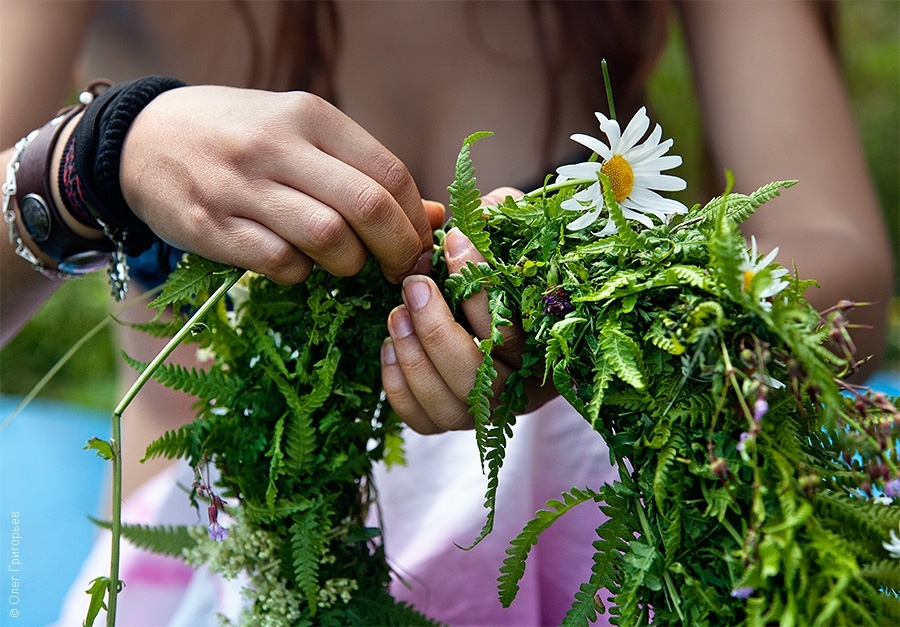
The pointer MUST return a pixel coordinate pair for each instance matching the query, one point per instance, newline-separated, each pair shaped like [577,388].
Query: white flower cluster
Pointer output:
[334,589]
[269,603]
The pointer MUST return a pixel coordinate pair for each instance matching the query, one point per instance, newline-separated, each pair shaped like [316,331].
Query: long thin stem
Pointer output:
[115,443]
[540,191]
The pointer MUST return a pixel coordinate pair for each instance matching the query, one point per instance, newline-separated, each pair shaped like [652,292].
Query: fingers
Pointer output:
[429,362]
[203,164]
[370,187]
[458,251]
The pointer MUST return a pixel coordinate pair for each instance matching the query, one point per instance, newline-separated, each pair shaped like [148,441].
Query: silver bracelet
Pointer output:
[9,216]
[45,218]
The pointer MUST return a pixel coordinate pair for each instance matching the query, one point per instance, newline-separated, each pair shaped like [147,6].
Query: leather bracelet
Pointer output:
[39,214]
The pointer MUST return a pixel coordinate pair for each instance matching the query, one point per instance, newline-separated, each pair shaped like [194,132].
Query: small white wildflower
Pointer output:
[893,547]
[205,355]
[634,171]
[254,361]
[752,265]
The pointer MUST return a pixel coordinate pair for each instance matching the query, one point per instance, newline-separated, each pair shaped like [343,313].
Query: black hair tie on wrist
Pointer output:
[98,139]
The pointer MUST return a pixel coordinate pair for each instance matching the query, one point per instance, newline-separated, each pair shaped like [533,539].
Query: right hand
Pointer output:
[428,364]
[272,182]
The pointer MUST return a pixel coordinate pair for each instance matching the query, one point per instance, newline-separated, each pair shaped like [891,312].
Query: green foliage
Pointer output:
[291,414]
[513,568]
[743,455]
[464,197]
[163,539]
[744,503]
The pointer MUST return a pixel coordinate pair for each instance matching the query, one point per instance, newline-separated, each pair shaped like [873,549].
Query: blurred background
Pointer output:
[55,484]
[869,38]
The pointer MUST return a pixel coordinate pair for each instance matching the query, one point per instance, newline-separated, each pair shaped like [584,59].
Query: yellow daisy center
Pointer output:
[748,277]
[621,176]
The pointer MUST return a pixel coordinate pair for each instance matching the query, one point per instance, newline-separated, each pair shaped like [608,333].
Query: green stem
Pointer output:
[540,191]
[609,94]
[645,528]
[115,443]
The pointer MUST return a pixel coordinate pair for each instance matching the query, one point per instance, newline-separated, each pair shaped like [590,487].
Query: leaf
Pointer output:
[514,564]
[276,465]
[102,447]
[307,545]
[97,591]
[194,275]
[623,354]
[172,444]
[202,384]
[464,199]
[171,540]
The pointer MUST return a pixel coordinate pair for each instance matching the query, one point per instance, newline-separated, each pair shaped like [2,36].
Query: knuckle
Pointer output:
[394,175]
[371,204]
[326,232]
[452,419]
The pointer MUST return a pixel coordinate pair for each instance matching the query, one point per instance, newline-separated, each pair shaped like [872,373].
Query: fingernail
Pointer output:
[400,323]
[455,244]
[388,356]
[416,292]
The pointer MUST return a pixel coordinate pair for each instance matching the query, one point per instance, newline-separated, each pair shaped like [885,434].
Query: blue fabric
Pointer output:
[48,488]
[152,267]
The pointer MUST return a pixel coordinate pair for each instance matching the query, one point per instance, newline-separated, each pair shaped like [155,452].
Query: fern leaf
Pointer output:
[171,540]
[623,354]
[172,444]
[307,545]
[513,567]
[193,276]
[277,463]
[199,383]
[464,199]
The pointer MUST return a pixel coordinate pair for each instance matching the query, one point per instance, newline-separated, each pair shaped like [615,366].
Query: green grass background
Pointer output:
[869,38]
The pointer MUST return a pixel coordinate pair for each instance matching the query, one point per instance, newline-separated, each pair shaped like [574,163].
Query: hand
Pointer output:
[429,361]
[272,182]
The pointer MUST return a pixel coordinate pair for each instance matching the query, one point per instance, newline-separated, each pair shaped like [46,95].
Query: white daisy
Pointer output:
[753,265]
[634,170]
[893,547]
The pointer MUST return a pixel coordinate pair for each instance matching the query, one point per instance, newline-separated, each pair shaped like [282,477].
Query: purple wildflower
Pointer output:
[742,592]
[216,531]
[760,407]
[743,440]
[892,488]
[557,302]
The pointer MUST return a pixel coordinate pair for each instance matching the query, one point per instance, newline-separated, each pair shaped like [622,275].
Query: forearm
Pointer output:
[775,108]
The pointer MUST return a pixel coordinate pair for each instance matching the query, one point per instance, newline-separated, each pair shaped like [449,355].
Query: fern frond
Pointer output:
[513,567]
[464,199]
[194,275]
[471,278]
[307,545]
[171,540]
[172,444]
[276,465]
[200,383]
[623,354]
